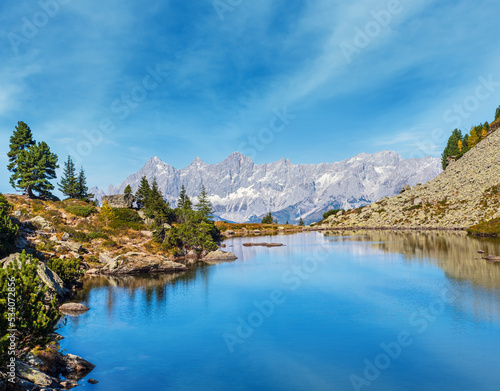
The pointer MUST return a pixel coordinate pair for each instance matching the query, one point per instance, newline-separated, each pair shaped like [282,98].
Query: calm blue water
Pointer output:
[375,311]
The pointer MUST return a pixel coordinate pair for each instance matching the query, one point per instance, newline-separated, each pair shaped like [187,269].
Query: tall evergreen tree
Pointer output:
[204,207]
[451,148]
[82,189]
[301,222]
[69,181]
[184,202]
[127,190]
[142,193]
[497,113]
[21,139]
[36,165]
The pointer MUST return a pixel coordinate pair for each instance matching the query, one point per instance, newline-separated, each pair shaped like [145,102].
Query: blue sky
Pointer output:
[116,82]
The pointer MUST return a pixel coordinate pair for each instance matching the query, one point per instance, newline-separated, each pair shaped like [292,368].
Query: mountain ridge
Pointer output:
[243,191]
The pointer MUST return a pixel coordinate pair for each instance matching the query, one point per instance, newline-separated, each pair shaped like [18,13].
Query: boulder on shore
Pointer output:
[35,376]
[75,367]
[138,263]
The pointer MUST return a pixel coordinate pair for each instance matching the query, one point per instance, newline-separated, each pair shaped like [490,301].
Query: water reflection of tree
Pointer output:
[455,253]
[156,287]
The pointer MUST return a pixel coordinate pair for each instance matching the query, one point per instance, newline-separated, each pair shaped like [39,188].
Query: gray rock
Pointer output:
[65,236]
[5,261]
[219,255]
[51,280]
[34,375]
[137,263]
[104,258]
[119,200]
[76,367]
[40,223]
[72,246]
[33,360]
[73,309]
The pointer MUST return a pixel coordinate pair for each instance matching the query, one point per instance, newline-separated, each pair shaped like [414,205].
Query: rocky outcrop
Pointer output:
[51,280]
[47,276]
[119,200]
[35,376]
[138,263]
[467,192]
[75,367]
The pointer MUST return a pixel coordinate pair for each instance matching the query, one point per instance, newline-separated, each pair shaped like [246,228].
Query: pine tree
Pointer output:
[184,202]
[497,113]
[127,190]
[267,219]
[142,193]
[35,166]
[204,207]
[301,222]
[82,189]
[21,139]
[451,148]
[69,182]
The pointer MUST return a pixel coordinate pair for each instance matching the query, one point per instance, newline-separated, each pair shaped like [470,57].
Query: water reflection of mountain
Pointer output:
[455,253]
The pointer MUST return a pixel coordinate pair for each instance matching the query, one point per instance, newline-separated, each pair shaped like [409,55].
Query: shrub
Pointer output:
[24,293]
[485,228]
[126,219]
[331,212]
[67,269]
[8,230]
[81,210]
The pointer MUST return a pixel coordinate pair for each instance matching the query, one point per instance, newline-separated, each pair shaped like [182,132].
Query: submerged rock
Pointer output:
[263,244]
[73,309]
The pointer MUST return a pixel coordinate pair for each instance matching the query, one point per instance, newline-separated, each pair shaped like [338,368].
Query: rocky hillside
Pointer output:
[467,192]
[242,191]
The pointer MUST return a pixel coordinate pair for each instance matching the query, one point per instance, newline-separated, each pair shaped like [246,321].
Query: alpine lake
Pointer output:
[364,310]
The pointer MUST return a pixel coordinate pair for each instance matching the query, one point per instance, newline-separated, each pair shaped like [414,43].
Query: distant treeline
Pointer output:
[459,144]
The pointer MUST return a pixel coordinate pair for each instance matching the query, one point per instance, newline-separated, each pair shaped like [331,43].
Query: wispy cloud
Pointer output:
[225,78]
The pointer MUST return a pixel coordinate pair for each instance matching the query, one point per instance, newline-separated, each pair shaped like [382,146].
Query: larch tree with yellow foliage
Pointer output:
[473,138]
[460,145]
[106,213]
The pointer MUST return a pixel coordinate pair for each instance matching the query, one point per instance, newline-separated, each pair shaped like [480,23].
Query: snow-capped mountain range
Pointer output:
[242,191]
